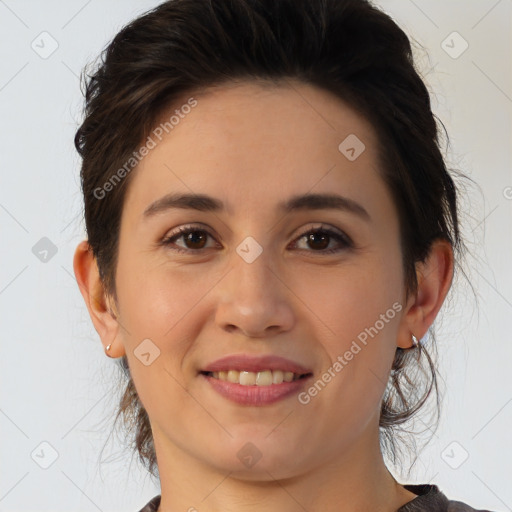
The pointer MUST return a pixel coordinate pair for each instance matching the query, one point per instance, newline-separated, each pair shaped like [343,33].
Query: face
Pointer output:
[315,289]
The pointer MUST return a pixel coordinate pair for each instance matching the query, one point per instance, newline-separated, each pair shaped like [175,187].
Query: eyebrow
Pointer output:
[205,203]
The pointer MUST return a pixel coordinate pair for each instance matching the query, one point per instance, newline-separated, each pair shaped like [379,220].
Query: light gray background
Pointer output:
[58,386]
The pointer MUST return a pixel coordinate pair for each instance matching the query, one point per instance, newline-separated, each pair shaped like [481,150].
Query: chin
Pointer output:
[258,457]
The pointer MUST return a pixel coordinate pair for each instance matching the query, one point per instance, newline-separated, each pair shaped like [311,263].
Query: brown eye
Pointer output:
[319,239]
[193,239]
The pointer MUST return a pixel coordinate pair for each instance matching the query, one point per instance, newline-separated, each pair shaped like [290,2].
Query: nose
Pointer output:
[254,299]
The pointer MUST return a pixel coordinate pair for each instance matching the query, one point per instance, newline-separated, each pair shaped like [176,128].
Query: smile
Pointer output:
[255,380]
[261,378]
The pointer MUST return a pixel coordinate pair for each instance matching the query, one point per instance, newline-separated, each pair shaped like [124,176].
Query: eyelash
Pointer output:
[185,230]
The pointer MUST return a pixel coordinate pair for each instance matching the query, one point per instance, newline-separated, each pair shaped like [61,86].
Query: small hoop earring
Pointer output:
[415,344]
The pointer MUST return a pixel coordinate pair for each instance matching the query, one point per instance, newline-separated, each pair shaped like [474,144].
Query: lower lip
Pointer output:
[255,395]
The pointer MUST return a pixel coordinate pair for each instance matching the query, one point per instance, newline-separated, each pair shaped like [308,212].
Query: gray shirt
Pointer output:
[429,499]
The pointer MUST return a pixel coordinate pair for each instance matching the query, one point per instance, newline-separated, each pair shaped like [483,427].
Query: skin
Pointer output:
[253,147]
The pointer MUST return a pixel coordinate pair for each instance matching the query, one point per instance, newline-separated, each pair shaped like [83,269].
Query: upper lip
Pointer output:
[250,363]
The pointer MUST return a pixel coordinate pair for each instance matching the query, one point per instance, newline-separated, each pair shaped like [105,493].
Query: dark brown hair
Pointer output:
[347,47]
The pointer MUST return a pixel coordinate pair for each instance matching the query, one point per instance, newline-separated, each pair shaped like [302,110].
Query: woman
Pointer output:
[271,229]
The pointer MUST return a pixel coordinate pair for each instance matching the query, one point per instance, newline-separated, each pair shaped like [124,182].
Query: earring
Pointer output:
[107,348]
[415,343]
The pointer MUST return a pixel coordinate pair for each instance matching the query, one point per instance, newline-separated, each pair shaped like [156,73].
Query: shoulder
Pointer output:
[430,498]
[458,506]
[152,505]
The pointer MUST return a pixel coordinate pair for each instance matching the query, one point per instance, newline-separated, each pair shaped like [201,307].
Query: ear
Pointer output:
[97,302]
[434,280]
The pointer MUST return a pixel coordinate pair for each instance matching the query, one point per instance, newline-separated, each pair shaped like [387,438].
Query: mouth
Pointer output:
[260,378]
[255,380]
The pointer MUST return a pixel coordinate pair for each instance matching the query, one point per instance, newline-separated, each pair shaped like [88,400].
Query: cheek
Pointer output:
[349,299]
[155,297]
[158,304]
[359,308]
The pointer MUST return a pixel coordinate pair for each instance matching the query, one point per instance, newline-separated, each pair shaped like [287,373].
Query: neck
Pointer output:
[357,481]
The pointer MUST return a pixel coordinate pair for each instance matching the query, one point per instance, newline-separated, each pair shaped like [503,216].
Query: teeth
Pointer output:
[263,378]
[277,377]
[233,376]
[248,378]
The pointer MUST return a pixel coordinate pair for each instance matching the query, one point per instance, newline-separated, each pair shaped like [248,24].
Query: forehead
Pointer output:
[256,144]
